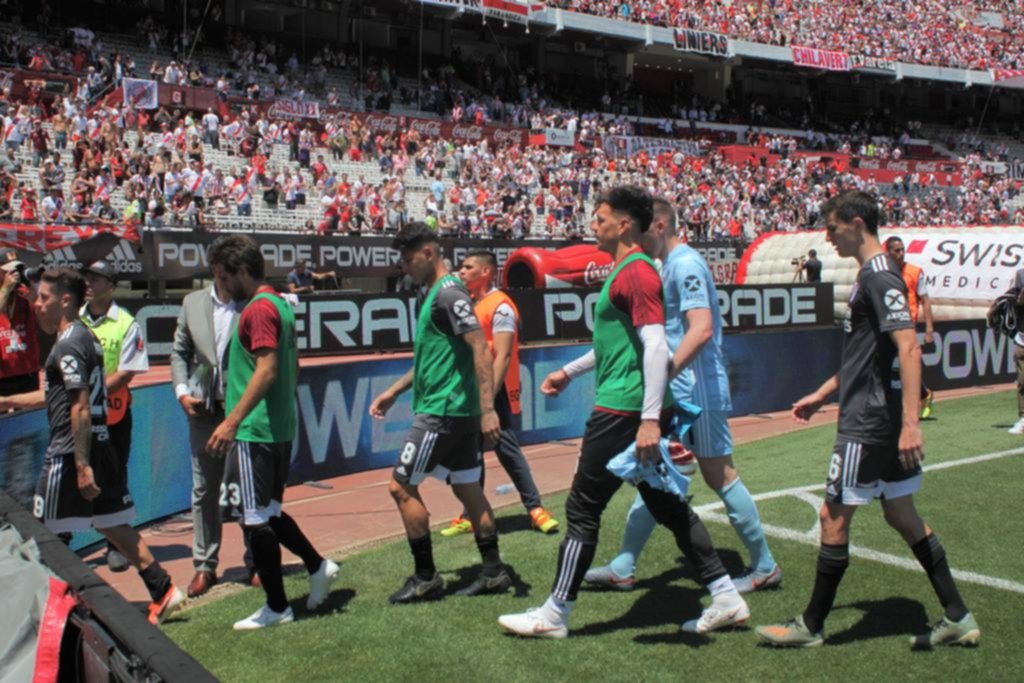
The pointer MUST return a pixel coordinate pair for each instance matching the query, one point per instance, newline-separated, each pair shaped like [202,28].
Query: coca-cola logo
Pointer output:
[927,167]
[431,128]
[505,135]
[869,164]
[464,132]
[898,166]
[595,273]
[382,124]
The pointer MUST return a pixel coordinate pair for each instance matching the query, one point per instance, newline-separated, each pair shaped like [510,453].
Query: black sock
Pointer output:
[832,563]
[488,547]
[691,535]
[423,556]
[266,556]
[932,556]
[292,538]
[157,581]
[574,559]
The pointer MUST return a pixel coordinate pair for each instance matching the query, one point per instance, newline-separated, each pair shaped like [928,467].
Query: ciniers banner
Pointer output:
[703,42]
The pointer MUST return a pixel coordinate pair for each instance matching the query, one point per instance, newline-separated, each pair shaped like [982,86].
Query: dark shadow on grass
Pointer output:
[1002,426]
[882,619]
[466,575]
[336,601]
[660,601]
[509,524]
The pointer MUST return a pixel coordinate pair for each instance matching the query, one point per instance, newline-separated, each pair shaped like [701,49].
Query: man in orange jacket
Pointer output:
[499,319]
[917,298]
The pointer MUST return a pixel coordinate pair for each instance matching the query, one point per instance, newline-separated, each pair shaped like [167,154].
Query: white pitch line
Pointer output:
[811,537]
[810,488]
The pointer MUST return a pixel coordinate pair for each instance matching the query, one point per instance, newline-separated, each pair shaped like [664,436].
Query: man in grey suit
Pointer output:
[207,320]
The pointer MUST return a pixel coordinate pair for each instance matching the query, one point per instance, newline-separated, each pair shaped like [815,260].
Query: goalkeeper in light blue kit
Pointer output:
[693,326]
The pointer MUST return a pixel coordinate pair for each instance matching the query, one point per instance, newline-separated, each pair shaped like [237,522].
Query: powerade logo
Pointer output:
[748,308]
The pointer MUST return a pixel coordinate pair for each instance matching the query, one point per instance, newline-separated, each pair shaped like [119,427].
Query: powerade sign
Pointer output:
[338,324]
[569,313]
[182,255]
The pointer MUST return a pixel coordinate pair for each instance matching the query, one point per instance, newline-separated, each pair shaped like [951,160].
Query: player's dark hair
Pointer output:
[231,252]
[891,241]
[854,204]
[66,281]
[486,257]
[413,236]
[632,201]
[663,207]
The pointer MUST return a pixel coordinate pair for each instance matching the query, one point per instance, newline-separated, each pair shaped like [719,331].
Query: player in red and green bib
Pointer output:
[630,361]
[453,403]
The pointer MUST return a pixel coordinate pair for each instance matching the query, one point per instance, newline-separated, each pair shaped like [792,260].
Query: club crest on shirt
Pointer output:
[69,368]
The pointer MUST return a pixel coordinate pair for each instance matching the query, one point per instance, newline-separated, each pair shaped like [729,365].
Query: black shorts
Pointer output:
[255,475]
[858,473]
[58,504]
[447,448]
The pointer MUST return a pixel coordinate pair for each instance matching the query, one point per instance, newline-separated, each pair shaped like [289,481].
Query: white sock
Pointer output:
[722,586]
[557,611]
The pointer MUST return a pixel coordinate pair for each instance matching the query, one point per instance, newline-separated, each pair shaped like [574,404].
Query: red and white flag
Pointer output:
[1008,78]
[518,11]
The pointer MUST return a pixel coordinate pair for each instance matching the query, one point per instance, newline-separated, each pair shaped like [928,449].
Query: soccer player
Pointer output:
[878,450]
[499,319]
[259,426]
[453,403]
[124,356]
[693,326]
[1015,294]
[917,300]
[629,360]
[82,484]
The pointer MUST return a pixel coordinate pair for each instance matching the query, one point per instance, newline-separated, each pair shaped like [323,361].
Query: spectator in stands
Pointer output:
[301,280]
[19,350]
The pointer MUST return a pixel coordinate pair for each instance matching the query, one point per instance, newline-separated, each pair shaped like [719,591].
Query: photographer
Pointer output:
[809,266]
[19,343]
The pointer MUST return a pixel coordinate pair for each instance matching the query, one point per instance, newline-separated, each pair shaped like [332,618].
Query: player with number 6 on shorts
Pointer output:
[879,449]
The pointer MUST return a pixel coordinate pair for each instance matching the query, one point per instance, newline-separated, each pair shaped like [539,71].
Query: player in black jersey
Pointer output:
[879,448]
[81,485]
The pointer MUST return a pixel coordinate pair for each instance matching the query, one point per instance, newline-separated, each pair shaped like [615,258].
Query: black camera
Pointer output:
[797,261]
[29,276]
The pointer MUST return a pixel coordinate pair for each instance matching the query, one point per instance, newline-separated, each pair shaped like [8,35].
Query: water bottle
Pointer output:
[504,488]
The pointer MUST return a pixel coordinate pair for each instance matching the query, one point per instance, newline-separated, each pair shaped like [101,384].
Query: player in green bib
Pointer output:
[630,360]
[258,428]
[453,403]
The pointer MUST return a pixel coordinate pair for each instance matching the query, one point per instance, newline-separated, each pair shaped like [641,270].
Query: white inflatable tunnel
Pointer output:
[966,267]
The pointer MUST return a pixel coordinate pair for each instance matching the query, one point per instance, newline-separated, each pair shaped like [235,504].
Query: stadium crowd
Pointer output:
[154,169]
[934,32]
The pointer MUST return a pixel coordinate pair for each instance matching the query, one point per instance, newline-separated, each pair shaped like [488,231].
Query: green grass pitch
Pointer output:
[635,636]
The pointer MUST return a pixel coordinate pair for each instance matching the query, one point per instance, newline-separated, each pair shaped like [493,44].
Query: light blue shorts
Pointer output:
[710,437]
